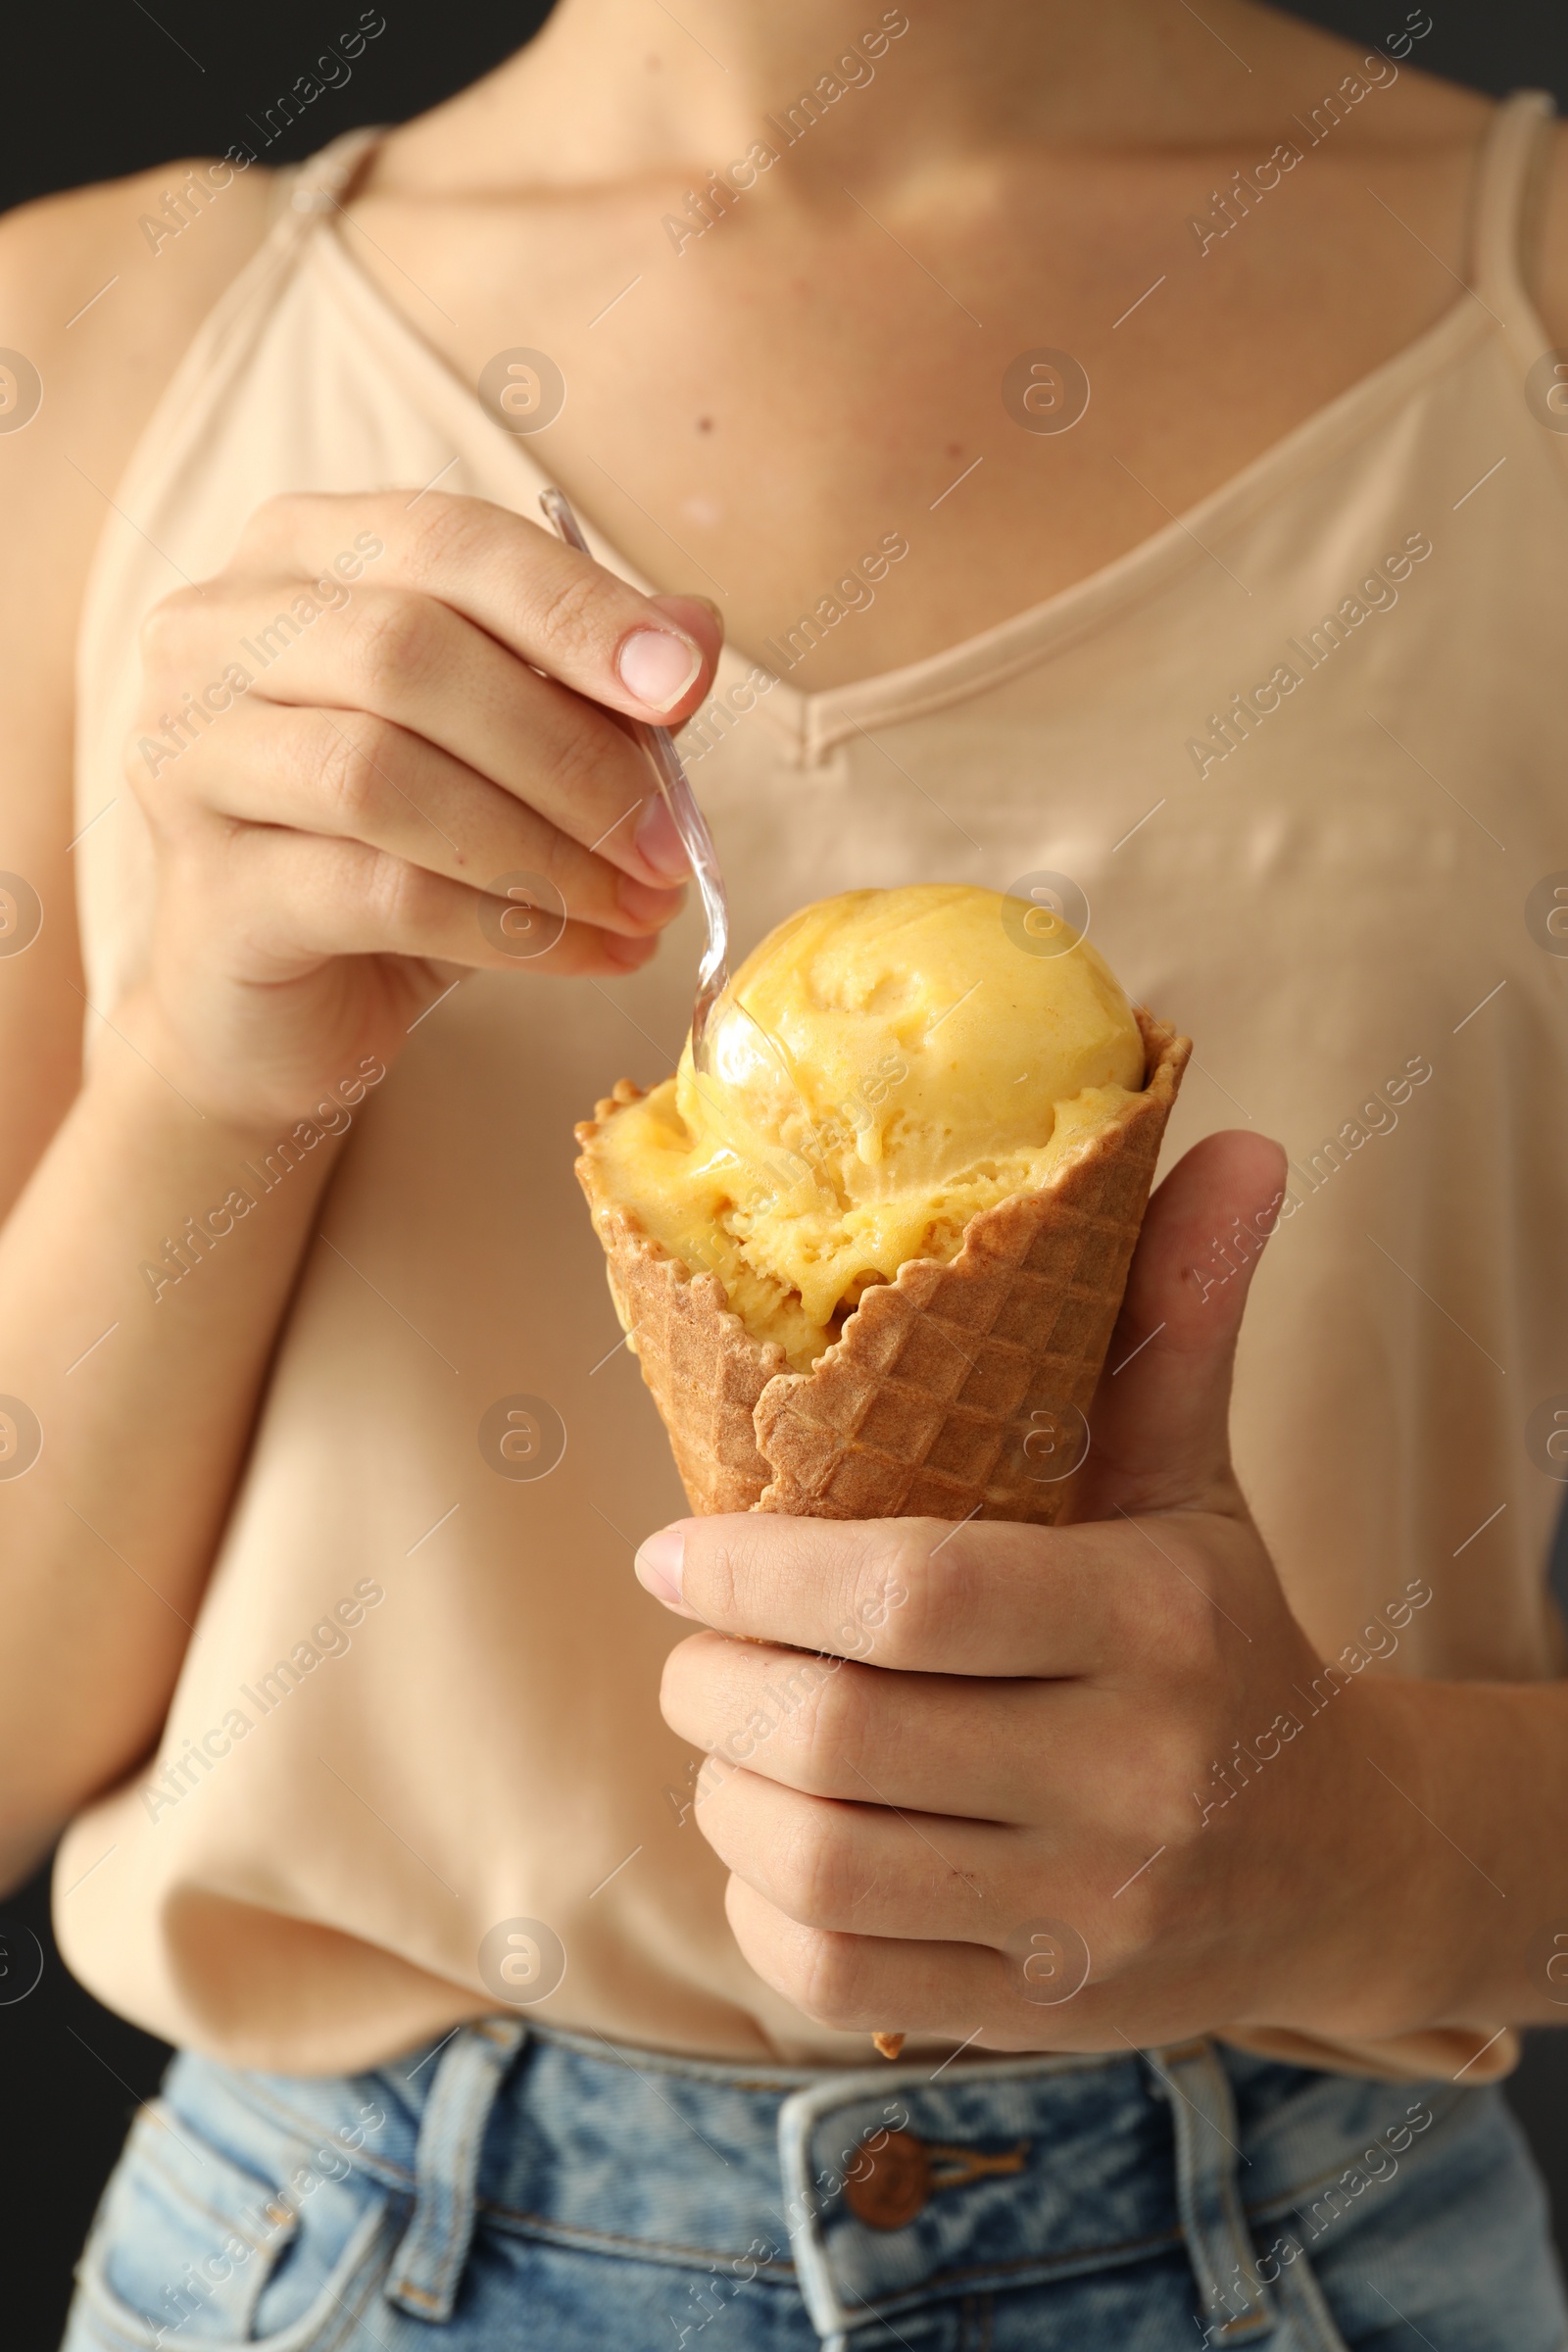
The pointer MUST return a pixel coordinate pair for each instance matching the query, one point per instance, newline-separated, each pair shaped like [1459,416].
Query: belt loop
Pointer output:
[427,2266]
[1235,2307]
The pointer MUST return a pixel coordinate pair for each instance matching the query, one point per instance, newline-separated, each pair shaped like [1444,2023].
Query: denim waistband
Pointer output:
[845,2183]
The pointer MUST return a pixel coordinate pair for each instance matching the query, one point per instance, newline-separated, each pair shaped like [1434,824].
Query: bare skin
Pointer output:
[1042,165]
[802,386]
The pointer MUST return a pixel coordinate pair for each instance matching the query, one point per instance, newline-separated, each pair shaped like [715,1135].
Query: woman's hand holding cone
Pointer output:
[993,1806]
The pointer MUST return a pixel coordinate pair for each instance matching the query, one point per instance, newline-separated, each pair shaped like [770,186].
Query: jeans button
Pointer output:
[896,2186]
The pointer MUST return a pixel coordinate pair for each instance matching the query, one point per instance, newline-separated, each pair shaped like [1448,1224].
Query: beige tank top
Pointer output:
[1302,751]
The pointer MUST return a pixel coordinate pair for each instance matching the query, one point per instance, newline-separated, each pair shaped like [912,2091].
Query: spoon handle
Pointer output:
[690,823]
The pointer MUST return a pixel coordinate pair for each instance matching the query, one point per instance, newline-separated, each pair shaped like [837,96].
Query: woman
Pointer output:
[1119,442]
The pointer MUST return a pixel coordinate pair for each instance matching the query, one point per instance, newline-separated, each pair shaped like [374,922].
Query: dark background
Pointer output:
[121,87]
[118,90]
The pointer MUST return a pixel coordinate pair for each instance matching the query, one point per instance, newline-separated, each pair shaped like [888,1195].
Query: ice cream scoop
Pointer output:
[926,1056]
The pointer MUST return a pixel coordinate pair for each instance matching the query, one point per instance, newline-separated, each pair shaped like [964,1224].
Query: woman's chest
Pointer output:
[1023,387]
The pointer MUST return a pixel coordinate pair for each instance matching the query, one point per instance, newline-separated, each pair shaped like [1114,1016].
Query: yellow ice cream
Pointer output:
[909,1058]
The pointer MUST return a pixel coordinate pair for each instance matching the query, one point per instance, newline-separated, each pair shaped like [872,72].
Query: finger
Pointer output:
[861,1869]
[293,899]
[1160,1418]
[938,1743]
[556,608]
[911,1595]
[963,1992]
[677,607]
[365,779]
[412,661]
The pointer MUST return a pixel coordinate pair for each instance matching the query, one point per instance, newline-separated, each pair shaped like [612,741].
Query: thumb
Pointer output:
[1160,1416]
[703,622]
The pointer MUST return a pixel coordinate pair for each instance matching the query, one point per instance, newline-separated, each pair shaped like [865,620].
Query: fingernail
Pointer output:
[656,667]
[658,840]
[659,1563]
[646,905]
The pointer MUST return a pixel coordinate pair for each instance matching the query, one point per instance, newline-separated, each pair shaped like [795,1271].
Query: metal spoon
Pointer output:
[712,975]
[722,1047]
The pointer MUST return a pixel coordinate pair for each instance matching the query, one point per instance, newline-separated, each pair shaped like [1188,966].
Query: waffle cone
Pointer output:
[921,1407]
[924,1405]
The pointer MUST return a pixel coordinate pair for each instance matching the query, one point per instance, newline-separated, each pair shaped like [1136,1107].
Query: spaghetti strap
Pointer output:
[320,183]
[1503,200]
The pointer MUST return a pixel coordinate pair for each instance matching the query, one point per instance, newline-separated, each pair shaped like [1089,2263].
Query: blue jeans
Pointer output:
[511,2187]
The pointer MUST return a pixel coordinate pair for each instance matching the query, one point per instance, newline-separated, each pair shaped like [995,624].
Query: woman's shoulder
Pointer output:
[95,311]
[1550,286]
[1441,112]
[1442,123]
[101,289]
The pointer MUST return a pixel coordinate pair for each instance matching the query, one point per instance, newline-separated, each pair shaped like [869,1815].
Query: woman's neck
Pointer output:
[619,88]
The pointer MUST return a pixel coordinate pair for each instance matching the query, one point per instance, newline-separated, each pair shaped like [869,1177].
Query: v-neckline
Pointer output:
[818,721]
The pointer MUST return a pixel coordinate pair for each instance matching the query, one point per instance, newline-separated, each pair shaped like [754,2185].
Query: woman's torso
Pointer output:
[1327,886]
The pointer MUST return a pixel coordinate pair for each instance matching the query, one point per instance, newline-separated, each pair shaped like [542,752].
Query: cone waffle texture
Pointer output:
[925,1405]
